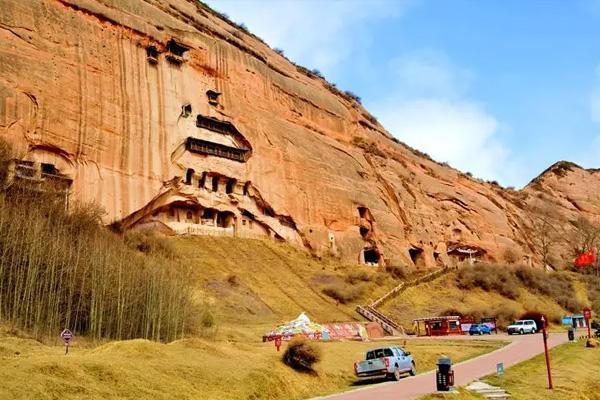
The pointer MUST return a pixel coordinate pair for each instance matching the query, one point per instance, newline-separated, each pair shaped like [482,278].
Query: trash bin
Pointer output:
[571,334]
[445,375]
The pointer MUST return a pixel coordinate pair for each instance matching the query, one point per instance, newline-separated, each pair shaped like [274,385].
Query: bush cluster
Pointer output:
[506,280]
[343,292]
[301,354]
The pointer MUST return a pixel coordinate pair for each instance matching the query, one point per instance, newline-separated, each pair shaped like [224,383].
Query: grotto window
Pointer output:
[246,188]
[230,186]
[202,180]
[49,169]
[243,222]
[215,183]
[189,215]
[371,256]
[175,51]
[186,110]
[224,219]
[152,54]
[213,97]
[268,211]
[189,176]
[208,213]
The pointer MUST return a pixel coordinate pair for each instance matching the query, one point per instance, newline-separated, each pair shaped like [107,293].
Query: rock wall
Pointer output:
[96,89]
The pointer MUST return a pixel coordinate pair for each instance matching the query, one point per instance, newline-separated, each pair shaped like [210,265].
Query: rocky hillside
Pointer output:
[172,118]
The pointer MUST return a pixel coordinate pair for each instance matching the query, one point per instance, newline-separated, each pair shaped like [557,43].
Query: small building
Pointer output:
[575,321]
[438,326]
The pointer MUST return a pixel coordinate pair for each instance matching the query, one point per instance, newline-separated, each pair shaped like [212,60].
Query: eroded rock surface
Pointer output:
[172,118]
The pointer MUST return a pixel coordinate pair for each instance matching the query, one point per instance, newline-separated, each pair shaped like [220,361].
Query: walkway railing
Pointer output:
[389,325]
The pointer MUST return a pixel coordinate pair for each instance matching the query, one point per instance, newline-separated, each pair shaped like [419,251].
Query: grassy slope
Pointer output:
[273,283]
[418,301]
[575,375]
[189,369]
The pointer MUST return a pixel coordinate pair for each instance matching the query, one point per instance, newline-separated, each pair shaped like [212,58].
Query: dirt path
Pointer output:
[521,349]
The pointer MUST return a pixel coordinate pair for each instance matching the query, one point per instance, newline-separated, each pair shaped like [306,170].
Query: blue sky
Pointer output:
[501,89]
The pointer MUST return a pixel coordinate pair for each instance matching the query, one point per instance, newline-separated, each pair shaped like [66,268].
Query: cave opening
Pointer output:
[215,183]
[230,186]
[189,176]
[186,110]
[416,255]
[371,256]
[152,54]
[362,212]
[364,231]
[202,180]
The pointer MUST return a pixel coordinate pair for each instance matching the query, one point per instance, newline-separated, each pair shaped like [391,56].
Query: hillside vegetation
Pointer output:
[260,283]
[507,292]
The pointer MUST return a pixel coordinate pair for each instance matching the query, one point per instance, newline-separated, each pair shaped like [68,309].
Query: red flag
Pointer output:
[586,259]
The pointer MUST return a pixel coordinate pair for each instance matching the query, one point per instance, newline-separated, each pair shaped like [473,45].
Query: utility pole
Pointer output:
[548,368]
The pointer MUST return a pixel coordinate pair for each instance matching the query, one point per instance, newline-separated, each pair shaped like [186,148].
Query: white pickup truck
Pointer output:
[385,362]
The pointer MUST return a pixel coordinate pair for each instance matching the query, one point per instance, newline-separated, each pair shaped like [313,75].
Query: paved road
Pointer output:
[522,348]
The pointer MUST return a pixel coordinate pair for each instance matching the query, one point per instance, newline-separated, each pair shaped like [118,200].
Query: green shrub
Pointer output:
[301,354]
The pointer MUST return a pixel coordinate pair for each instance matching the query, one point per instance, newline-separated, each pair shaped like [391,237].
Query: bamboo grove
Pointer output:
[64,270]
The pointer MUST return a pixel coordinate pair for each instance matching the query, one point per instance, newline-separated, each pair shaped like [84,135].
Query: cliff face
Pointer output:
[173,119]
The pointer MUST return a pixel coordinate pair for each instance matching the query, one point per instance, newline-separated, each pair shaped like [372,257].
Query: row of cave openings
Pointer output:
[371,255]
[216,183]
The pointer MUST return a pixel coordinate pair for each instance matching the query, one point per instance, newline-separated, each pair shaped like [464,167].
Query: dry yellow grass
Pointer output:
[261,283]
[190,369]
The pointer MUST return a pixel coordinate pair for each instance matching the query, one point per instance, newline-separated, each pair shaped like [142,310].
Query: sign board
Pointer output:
[587,313]
[66,336]
[500,369]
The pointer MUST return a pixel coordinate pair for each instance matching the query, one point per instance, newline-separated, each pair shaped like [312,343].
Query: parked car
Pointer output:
[387,362]
[480,329]
[522,326]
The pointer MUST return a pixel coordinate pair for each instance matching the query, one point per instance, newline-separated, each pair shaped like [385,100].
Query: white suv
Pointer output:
[522,326]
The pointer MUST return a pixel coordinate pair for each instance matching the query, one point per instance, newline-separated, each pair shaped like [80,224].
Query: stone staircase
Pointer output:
[488,391]
[390,326]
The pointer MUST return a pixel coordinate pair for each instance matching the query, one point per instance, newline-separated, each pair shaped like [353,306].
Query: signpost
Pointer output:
[545,335]
[66,337]
[500,369]
[587,314]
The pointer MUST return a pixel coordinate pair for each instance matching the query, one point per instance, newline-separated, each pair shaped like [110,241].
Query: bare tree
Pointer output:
[544,228]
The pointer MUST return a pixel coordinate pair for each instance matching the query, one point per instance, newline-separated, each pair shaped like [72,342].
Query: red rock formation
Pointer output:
[108,92]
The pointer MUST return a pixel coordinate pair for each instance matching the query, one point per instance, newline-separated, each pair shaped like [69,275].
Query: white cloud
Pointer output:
[428,109]
[317,34]
[459,132]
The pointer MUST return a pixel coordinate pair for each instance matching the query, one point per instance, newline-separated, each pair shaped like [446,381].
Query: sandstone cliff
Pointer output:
[174,119]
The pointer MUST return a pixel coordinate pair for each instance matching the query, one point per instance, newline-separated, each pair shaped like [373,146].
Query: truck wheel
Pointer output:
[413,369]
[397,374]
[521,332]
